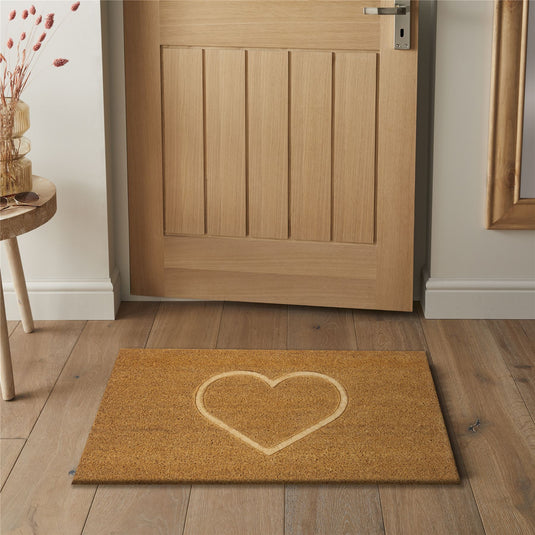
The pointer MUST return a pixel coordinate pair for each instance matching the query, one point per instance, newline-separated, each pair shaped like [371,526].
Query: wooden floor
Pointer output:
[484,371]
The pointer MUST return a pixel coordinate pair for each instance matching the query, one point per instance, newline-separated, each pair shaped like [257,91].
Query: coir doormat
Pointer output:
[174,416]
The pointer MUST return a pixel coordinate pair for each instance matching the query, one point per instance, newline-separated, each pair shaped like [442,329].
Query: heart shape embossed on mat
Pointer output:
[199,401]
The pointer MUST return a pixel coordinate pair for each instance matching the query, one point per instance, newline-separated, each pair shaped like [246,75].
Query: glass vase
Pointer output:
[15,168]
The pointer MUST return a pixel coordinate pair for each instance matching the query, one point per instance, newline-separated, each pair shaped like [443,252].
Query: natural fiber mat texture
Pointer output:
[258,416]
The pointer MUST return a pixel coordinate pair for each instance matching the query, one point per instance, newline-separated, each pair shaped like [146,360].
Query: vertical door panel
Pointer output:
[183,142]
[267,102]
[354,147]
[225,142]
[396,159]
[310,145]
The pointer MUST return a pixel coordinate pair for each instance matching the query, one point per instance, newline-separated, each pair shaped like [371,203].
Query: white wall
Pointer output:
[69,269]
[473,272]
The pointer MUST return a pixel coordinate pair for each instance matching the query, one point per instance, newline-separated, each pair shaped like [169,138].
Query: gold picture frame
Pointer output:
[505,208]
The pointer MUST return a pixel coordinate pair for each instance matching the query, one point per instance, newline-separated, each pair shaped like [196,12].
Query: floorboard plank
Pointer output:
[138,509]
[529,329]
[186,325]
[320,328]
[9,451]
[236,509]
[388,331]
[518,352]
[253,326]
[38,497]
[333,509]
[242,509]
[328,509]
[430,509]
[38,358]
[499,457]
[135,509]
[11,326]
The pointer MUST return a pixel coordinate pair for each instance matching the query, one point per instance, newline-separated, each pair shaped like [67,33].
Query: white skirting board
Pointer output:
[441,299]
[478,299]
[68,300]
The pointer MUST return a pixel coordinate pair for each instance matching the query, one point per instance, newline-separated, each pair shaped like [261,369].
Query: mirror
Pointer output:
[527,173]
[511,205]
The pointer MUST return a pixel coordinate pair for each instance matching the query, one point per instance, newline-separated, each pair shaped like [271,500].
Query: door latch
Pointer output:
[402,14]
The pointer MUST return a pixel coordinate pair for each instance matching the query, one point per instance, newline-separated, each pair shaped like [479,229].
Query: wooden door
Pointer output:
[271,152]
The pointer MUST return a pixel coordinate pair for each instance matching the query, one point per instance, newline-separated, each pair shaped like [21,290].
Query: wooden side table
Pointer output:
[15,221]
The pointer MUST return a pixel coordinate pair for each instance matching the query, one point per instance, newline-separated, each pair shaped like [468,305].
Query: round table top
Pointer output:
[17,220]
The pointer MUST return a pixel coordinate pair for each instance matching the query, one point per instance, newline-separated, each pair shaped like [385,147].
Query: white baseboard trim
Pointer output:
[68,300]
[478,299]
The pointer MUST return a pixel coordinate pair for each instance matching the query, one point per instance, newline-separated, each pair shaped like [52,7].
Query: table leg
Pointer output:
[17,273]
[6,369]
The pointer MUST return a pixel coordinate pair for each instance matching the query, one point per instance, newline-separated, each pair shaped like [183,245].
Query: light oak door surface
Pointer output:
[271,152]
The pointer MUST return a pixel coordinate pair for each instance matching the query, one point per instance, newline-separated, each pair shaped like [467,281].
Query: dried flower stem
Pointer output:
[14,79]
[16,67]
